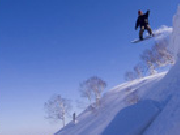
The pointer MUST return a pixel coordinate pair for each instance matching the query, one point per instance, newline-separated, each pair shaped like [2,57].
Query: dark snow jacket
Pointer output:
[142,20]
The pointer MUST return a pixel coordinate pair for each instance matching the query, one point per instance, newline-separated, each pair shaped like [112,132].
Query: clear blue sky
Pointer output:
[50,46]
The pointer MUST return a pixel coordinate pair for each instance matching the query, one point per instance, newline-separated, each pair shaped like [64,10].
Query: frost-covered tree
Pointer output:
[158,56]
[57,108]
[85,90]
[97,86]
[149,59]
[93,87]
[139,70]
[162,54]
[130,76]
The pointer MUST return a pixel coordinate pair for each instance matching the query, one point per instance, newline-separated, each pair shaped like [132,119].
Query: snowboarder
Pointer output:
[142,21]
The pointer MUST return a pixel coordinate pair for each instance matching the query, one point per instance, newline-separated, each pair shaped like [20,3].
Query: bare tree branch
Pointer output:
[57,108]
[93,87]
[129,76]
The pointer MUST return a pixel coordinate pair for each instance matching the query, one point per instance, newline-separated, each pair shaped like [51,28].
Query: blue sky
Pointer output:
[49,47]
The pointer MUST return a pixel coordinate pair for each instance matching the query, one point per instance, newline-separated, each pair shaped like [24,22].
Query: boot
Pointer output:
[150,31]
[141,38]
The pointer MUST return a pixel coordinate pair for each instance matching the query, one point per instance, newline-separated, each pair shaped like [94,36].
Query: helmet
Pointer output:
[140,12]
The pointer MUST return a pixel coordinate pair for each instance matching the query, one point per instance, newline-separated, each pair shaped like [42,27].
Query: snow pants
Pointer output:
[142,28]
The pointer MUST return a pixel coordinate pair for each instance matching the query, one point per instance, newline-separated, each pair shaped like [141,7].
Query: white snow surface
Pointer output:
[148,106]
[94,122]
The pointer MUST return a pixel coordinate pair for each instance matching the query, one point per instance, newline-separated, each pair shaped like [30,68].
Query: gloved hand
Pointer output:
[148,11]
[136,27]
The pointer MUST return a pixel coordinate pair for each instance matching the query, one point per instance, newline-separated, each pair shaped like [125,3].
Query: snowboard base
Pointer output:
[145,38]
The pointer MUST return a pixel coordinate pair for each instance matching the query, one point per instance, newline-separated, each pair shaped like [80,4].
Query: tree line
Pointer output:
[58,108]
[151,59]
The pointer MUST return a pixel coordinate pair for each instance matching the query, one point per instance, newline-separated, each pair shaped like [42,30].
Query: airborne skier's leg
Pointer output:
[141,31]
[149,30]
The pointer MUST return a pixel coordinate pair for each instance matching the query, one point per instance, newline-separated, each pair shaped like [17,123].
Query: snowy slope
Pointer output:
[165,95]
[168,121]
[120,97]
[149,106]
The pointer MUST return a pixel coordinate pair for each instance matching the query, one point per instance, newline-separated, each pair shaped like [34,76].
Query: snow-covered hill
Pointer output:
[94,123]
[148,106]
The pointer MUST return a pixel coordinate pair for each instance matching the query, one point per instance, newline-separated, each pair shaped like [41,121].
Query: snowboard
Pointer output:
[146,38]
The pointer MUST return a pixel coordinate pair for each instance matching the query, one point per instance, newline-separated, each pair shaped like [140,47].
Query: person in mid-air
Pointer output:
[142,21]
